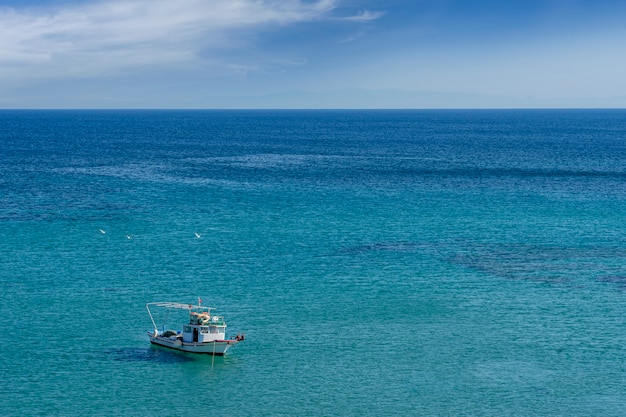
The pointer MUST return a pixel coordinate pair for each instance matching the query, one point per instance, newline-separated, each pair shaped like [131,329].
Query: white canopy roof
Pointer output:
[181,306]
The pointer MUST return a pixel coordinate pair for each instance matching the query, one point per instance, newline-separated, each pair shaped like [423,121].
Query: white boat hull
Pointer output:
[218,347]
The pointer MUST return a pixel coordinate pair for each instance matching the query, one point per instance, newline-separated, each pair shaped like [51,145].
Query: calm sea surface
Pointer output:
[431,263]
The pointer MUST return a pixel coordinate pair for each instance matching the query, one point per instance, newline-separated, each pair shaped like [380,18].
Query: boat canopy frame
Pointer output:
[178,306]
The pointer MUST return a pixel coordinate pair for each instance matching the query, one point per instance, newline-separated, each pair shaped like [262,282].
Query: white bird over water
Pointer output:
[127,236]
[103,231]
[197,235]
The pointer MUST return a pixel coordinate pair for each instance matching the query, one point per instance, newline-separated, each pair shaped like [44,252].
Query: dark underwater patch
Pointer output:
[618,280]
[543,263]
[392,246]
[147,354]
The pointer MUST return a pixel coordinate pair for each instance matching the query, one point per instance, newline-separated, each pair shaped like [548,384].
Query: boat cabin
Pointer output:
[204,328]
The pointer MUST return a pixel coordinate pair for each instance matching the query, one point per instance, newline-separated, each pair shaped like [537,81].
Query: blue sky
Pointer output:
[312,54]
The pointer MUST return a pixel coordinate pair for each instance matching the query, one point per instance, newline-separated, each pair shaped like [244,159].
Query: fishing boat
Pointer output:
[204,333]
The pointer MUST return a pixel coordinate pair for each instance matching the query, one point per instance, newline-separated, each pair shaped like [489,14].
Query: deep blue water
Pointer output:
[380,262]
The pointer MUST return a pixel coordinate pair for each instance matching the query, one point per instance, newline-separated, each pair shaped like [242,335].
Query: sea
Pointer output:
[380,263]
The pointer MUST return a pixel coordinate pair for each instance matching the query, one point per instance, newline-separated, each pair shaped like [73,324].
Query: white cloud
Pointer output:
[365,16]
[109,37]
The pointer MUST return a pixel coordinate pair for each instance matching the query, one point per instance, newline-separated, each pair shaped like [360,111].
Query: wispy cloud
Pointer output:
[364,16]
[109,37]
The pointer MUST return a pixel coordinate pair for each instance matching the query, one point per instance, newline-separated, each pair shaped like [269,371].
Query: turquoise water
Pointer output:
[379,262]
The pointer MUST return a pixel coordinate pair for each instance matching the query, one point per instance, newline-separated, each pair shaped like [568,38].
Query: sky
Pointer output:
[312,54]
